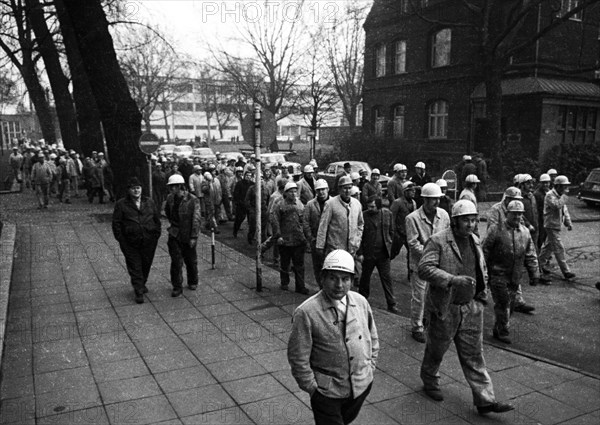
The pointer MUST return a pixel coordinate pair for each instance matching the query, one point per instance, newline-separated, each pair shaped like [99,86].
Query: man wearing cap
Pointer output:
[375,249]
[312,217]
[394,186]
[469,168]
[420,178]
[508,248]
[364,174]
[372,187]
[540,194]
[195,183]
[274,199]
[552,173]
[183,211]
[401,208]
[333,346]
[239,201]
[556,214]
[346,172]
[136,226]
[445,201]
[530,216]
[306,185]
[41,176]
[420,225]
[286,218]
[454,267]
[341,225]
[211,188]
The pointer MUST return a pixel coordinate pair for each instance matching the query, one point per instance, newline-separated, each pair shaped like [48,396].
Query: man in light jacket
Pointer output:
[333,346]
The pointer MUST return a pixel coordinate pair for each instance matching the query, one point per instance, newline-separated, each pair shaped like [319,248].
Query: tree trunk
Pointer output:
[87,113]
[65,109]
[166,124]
[351,117]
[120,116]
[493,92]
[38,98]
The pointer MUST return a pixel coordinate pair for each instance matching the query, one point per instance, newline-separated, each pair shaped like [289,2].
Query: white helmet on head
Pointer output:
[400,167]
[176,179]
[464,207]
[552,171]
[354,175]
[431,190]
[309,169]
[561,180]
[290,185]
[420,165]
[472,178]
[544,178]
[339,260]
[515,206]
[442,183]
[375,172]
[321,184]
[525,178]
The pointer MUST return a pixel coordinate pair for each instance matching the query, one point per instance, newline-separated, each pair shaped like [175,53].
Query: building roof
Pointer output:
[532,85]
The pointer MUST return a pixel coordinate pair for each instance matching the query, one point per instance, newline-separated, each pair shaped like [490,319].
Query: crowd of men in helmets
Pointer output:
[50,170]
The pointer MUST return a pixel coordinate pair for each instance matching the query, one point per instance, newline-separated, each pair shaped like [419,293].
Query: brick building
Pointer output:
[424,89]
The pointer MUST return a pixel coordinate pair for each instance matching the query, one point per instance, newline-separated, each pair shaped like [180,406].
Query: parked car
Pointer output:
[205,153]
[183,151]
[330,172]
[167,149]
[589,190]
[231,155]
[294,169]
[272,158]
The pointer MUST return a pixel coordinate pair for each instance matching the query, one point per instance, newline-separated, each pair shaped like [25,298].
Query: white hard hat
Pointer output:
[442,183]
[552,171]
[290,185]
[431,190]
[544,178]
[175,179]
[561,180]
[464,207]
[208,176]
[354,175]
[472,178]
[400,167]
[376,171]
[52,156]
[197,167]
[525,178]
[420,165]
[407,185]
[339,260]
[515,206]
[321,184]
[517,178]
[239,169]
[467,157]
[513,192]
[313,162]
[354,191]
[309,169]
[344,180]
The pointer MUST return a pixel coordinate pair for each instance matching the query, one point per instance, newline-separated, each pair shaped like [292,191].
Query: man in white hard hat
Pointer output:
[540,194]
[183,212]
[445,201]
[470,186]
[341,224]
[41,177]
[371,188]
[508,248]
[420,225]
[312,218]
[333,346]
[552,173]
[454,267]
[530,217]
[347,170]
[556,214]
[394,187]
[306,185]
[420,178]
[401,208]
[286,218]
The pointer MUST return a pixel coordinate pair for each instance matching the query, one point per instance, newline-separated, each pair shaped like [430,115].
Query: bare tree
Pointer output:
[269,74]
[345,45]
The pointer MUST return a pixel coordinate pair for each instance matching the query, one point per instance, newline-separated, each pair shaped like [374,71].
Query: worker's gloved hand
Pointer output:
[463,288]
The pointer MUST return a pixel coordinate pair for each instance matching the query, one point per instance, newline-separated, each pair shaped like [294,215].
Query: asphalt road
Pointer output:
[565,326]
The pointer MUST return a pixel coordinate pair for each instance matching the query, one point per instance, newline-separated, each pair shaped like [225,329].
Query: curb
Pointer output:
[7,248]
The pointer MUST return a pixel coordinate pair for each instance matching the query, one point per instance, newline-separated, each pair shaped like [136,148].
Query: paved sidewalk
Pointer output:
[78,350]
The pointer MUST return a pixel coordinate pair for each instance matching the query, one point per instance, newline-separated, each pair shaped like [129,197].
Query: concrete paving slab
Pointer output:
[544,409]
[284,409]
[254,388]
[18,411]
[243,367]
[62,379]
[141,411]
[230,416]
[122,369]
[129,389]
[67,400]
[534,376]
[587,419]
[200,400]
[184,379]
[158,363]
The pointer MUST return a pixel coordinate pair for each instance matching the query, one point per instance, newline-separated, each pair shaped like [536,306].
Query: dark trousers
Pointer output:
[383,264]
[138,261]
[227,206]
[182,253]
[317,262]
[240,215]
[92,192]
[336,411]
[294,254]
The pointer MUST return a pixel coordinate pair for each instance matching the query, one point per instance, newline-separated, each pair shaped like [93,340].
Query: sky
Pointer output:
[196,24]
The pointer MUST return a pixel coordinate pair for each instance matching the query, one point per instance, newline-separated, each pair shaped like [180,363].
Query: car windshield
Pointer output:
[182,149]
[270,159]
[594,176]
[204,151]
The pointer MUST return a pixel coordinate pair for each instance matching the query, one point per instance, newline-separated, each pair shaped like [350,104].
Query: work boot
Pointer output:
[502,338]
[139,297]
[434,394]
[176,292]
[569,275]
[144,290]
[392,309]
[303,291]
[419,336]
[524,308]
[545,280]
[495,408]
[192,287]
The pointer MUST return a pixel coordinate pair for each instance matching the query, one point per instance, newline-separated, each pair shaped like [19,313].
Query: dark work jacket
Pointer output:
[136,226]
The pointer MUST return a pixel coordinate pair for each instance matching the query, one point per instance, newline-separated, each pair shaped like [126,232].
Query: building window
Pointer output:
[568,5]
[577,124]
[378,120]
[380,60]
[400,57]
[11,130]
[440,48]
[438,120]
[399,121]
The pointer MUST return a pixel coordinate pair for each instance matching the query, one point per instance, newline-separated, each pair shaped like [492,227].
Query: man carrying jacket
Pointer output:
[455,269]
[183,211]
[136,226]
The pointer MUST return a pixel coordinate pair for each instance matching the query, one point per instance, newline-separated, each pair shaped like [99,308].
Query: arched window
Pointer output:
[400,57]
[380,60]
[399,121]
[378,120]
[438,119]
[440,48]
